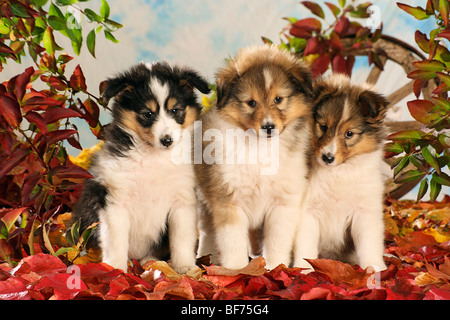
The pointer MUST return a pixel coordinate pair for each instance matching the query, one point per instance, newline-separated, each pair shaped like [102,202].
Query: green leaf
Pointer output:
[90,41]
[63,250]
[65,2]
[417,12]
[444,8]
[4,29]
[444,77]
[342,3]
[76,37]
[55,11]
[109,36]
[19,11]
[432,65]
[111,25]
[405,135]
[57,23]
[410,175]
[435,188]
[38,3]
[402,165]
[104,10]
[429,154]
[49,41]
[442,178]
[393,147]
[422,189]
[92,16]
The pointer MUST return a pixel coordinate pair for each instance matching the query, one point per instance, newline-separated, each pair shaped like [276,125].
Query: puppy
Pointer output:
[140,195]
[343,218]
[263,103]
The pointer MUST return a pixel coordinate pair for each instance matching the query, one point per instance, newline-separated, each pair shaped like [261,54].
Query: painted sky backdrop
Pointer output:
[202,33]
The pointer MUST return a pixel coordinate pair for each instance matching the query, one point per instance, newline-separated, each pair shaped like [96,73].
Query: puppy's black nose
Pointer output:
[166,141]
[328,158]
[268,128]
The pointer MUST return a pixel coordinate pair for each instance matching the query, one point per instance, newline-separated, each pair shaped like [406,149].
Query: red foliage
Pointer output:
[418,269]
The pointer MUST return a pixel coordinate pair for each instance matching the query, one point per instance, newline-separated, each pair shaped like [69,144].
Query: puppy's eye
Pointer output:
[323,128]
[278,100]
[148,115]
[251,103]
[176,112]
[349,134]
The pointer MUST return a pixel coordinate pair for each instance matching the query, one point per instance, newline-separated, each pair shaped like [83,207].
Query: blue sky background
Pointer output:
[202,33]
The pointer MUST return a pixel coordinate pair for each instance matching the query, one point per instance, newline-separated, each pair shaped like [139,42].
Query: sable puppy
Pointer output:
[343,218]
[139,194]
[263,99]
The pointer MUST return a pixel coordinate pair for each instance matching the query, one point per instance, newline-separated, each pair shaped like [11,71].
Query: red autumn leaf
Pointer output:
[314,8]
[256,267]
[180,288]
[10,110]
[309,24]
[21,82]
[5,49]
[300,33]
[445,33]
[38,120]
[437,294]
[77,80]
[37,98]
[422,41]
[320,65]
[340,273]
[313,46]
[13,160]
[56,285]
[57,83]
[13,289]
[59,135]
[339,64]
[40,263]
[10,218]
[420,110]
[342,27]
[335,42]
[52,115]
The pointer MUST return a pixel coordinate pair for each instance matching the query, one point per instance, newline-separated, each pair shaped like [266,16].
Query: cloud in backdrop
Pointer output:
[201,34]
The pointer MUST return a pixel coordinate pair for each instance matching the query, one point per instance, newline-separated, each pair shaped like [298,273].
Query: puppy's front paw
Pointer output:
[185,269]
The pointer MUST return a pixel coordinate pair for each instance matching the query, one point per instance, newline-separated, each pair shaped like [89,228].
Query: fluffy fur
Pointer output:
[343,218]
[265,92]
[141,197]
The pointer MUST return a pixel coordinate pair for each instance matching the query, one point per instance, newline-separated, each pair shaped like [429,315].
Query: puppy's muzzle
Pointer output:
[268,128]
[328,158]
[166,141]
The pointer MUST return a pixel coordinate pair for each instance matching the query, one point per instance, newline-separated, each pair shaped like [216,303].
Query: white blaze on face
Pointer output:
[165,125]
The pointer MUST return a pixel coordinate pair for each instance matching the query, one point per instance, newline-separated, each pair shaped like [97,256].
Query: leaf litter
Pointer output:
[417,255]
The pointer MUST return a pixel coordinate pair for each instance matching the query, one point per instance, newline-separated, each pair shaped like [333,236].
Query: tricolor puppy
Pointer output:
[264,100]
[344,205]
[139,194]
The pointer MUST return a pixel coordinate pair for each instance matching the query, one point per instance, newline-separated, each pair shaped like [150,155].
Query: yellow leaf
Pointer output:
[84,158]
[438,236]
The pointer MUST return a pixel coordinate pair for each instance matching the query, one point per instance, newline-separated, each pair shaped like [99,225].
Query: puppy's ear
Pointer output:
[115,86]
[373,105]
[302,77]
[224,83]
[191,79]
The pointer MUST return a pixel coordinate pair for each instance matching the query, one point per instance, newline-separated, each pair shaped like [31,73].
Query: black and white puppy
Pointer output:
[139,193]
